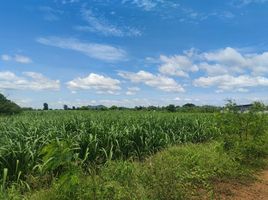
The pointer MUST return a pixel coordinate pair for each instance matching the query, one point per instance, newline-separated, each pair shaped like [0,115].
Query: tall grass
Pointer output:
[48,140]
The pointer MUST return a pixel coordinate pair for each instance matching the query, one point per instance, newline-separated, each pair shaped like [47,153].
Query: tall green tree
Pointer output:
[65,107]
[45,106]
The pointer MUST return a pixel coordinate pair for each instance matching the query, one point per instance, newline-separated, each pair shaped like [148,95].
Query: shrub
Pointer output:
[7,106]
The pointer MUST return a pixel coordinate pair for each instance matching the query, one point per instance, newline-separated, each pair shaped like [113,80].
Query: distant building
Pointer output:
[244,108]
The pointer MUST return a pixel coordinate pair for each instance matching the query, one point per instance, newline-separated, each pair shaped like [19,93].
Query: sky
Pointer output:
[133,52]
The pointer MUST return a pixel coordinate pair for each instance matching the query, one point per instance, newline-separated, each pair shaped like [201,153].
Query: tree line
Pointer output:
[9,107]
[188,107]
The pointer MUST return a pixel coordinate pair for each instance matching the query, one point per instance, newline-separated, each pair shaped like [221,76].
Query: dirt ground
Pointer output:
[257,190]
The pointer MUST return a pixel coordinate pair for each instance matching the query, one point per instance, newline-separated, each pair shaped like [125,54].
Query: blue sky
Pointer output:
[133,52]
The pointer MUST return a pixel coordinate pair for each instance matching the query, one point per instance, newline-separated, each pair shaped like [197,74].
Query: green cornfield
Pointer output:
[40,141]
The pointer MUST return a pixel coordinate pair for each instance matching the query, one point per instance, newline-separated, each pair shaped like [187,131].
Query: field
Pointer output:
[125,154]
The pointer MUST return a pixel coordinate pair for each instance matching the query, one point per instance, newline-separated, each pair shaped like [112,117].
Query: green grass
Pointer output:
[179,172]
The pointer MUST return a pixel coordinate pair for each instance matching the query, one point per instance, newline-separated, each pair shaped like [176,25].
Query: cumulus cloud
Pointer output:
[100,83]
[234,62]
[228,56]
[132,90]
[103,52]
[231,83]
[17,58]
[28,81]
[227,69]
[157,81]
[178,65]
[102,26]
[213,69]
[222,61]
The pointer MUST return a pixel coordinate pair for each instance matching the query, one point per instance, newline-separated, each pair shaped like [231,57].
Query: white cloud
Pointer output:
[29,81]
[23,102]
[132,90]
[5,57]
[66,1]
[178,65]
[69,1]
[228,56]
[189,15]
[177,99]
[17,58]
[233,61]
[101,25]
[101,84]
[94,50]
[185,99]
[226,69]
[147,5]
[241,3]
[231,83]
[223,61]
[157,81]
[213,69]
[152,5]
[22,59]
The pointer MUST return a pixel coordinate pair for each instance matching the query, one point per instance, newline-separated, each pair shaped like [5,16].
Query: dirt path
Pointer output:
[253,191]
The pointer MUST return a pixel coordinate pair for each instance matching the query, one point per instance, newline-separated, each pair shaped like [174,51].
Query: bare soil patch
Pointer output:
[257,190]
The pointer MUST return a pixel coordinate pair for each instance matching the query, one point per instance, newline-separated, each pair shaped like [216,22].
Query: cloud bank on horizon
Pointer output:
[134,52]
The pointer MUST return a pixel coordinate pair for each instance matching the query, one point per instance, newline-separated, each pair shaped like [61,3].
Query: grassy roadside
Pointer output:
[180,172]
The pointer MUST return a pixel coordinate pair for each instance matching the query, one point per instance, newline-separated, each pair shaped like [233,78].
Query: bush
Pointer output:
[7,106]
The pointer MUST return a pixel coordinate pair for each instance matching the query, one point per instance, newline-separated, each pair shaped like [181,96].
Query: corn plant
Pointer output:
[36,142]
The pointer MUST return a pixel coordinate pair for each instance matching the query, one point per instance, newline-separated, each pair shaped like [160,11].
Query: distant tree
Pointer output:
[231,106]
[45,106]
[113,107]
[152,108]
[65,107]
[101,107]
[84,108]
[122,108]
[189,105]
[209,109]
[7,106]
[171,108]
[139,108]
[27,109]
[74,108]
